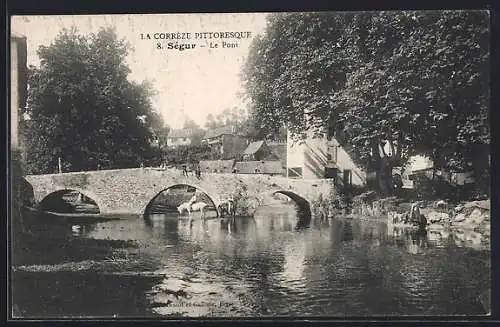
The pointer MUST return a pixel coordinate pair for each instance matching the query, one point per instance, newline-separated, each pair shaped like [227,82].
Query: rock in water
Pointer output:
[476,217]
[436,217]
[459,218]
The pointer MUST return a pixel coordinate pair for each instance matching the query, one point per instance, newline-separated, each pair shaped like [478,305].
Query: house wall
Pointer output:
[315,158]
[262,154]
[344,161]
[178,141]
[294,154]
[309,155]
[312,157]
[280,149]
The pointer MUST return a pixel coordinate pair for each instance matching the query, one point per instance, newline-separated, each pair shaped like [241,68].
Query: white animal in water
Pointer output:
[184,206]
[199,206]
[188,206]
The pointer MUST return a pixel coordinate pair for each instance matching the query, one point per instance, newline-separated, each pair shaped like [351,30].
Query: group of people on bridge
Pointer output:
[197,171]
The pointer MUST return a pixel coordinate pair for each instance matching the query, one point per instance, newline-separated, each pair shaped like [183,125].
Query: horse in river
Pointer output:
[196,206]
[187,205]
[227,208]
[199,206]
[184,206]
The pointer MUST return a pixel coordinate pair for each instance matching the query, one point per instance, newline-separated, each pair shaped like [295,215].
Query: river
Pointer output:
[266,265]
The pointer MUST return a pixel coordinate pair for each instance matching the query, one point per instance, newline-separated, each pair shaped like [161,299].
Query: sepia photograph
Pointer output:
[249,165]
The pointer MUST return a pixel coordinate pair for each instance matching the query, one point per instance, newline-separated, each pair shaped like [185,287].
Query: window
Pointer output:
[347,178]
[332,153]
[331,172]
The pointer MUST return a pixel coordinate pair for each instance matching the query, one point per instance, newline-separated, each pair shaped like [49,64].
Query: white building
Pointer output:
[315,158]
[179,137]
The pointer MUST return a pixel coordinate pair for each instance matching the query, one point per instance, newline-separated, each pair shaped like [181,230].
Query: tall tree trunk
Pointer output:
[384,165]
[384,177]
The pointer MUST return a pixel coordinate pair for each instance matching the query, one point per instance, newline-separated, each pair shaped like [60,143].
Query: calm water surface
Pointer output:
[266,265]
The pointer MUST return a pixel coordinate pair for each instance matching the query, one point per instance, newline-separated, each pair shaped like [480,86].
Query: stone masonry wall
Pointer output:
[128,191]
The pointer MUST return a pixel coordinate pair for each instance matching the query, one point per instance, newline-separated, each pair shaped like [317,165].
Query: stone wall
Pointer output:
[129,191]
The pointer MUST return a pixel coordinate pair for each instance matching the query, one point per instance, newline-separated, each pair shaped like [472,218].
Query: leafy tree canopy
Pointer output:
[83,108]
[417,81]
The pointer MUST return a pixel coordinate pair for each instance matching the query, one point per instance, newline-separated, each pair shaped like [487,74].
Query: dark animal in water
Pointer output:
[227,208]
[416,217]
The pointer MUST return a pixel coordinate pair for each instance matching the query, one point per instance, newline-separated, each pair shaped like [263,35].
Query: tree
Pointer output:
[392,80]
[210,122]
[190,154]
[230,116]
[83,108]
[197,131]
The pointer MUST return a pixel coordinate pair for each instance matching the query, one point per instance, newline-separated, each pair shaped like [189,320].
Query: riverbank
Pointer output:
[463,216]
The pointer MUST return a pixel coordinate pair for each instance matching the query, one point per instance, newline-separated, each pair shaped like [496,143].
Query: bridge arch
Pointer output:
[152,198]
[61,191]
[298,199]
[303,204]
[27,192]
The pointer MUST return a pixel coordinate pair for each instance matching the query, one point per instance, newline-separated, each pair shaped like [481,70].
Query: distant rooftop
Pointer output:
[216,132]
[253,147]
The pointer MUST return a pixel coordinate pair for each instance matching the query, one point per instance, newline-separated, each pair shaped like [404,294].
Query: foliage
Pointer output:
[395,83]
[197,131]
[189,154]
[229,116]
[82,107]
[246,125]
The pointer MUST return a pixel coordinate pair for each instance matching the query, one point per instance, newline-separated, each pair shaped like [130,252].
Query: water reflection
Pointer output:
[266,265]
[337,267]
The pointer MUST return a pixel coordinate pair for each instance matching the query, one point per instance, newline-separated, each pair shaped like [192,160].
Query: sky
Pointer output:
[190,83]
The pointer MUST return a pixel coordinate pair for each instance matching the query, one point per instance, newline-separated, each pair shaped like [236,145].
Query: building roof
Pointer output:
[253,147]
[180,133]
[220,166]
[216,132]
[259,167]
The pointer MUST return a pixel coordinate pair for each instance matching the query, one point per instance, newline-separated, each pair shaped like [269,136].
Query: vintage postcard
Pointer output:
[306,164]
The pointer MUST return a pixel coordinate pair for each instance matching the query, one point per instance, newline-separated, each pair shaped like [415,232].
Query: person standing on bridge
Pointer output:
[198,171]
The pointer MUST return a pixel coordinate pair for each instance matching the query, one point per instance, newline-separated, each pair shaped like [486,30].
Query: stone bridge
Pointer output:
[130,191]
